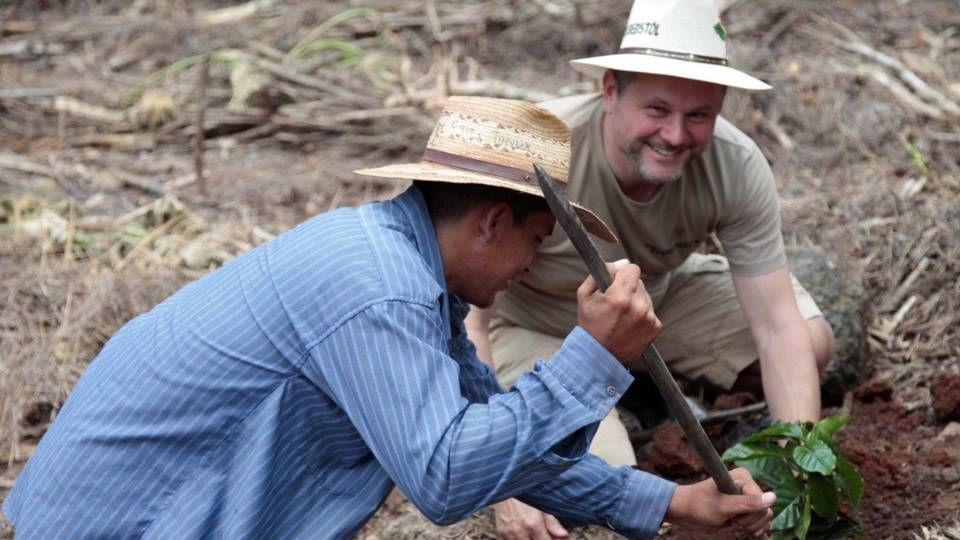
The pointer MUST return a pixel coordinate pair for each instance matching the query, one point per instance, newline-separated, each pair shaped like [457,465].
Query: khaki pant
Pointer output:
[705,337]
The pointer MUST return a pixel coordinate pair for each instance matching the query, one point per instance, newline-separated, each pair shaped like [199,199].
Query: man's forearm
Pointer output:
[791,383]
[477,324]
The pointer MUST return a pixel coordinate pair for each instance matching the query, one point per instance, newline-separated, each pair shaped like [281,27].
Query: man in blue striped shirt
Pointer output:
[285,394]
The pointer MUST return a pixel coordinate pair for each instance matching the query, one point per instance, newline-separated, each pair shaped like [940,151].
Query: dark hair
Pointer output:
[447,201]
[623,79]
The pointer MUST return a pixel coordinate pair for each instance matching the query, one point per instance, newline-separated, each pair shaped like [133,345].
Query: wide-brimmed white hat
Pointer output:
[495,142]
[679,38]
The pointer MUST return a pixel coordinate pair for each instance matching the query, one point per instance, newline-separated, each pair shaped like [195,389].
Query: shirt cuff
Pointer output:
[643,504]
[589,372]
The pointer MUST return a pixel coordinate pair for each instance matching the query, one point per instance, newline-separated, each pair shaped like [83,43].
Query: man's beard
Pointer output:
[634,155]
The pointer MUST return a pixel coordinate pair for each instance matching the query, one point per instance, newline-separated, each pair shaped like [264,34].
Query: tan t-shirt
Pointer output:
[728,190]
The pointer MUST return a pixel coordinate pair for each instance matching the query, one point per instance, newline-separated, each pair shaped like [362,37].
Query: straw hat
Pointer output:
[679,38]
[495,142]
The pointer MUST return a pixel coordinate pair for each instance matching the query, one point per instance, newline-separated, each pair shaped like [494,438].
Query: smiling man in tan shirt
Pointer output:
[656,161]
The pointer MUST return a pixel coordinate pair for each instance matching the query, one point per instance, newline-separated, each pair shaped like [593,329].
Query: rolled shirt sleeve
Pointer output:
[630,502]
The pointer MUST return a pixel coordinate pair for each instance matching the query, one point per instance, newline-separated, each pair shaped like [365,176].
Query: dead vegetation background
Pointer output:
[143,143]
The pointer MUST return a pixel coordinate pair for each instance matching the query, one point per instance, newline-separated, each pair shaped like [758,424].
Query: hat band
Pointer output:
[475,165]
[675,55]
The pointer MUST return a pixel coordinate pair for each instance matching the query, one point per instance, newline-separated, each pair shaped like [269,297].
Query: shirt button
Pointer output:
[611,391]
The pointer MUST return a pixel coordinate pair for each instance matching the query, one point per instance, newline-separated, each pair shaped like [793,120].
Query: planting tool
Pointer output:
[556,198]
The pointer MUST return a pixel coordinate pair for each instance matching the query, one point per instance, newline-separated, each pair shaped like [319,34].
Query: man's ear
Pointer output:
[493,220]
[610,91]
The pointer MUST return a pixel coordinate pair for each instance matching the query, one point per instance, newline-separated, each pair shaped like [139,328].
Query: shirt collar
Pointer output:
[413,205]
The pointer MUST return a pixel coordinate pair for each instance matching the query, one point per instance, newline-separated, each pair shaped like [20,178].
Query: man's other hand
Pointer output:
[702,507]
[620,318]
[518,521]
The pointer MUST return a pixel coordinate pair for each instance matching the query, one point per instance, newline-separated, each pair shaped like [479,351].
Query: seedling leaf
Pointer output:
[786,510]
[823,496]
[830,424]
[745,451]
[849,481]
[769,471]
[817,457]
[778,430]
[788,516]
[844,527]
[804,525]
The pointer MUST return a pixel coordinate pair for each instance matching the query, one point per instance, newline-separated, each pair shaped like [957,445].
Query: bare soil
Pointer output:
[103,214]
[909,460]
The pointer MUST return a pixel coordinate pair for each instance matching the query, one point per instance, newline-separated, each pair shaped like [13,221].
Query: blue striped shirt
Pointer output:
[285,394]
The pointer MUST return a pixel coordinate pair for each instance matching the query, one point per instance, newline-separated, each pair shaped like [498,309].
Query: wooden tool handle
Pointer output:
[691,426]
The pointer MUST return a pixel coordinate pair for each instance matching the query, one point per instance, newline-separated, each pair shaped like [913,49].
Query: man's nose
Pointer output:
[673,132]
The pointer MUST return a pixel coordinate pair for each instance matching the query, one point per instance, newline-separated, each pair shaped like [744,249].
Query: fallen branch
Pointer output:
[130,142]
[143,184]
[773,126]
[304,80]
[495,88]
[901,92]
[96,113]
[31,48]
[916,85]
[907,283]
[646,435]
[26,93]
[148,239]
[16,163]
[882,331]
[906,75]
[713,416]
[232,14]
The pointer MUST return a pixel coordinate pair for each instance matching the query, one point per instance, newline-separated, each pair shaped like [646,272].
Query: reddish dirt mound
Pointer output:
[671,456]
[945,391]
[911,463]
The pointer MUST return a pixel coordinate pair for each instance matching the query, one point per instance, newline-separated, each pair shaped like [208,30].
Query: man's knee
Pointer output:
[821,337]
[612,441]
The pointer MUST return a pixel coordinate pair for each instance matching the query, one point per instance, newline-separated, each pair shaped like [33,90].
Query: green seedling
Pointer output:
[169,72]
[350,54]
[916,157]
[313,42]
[814,481]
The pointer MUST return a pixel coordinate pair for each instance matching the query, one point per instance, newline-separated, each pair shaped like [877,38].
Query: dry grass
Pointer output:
[54,317]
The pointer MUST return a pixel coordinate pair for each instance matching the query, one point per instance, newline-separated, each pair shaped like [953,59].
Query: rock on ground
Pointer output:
[841,297]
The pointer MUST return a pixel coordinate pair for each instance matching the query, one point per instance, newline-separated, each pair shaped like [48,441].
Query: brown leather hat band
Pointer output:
[475,165]
[675,55]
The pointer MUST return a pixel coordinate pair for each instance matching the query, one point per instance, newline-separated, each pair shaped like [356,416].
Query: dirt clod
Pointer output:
[671,455]
[873,391]
[726,402]
[945,391]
